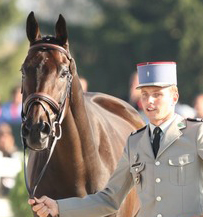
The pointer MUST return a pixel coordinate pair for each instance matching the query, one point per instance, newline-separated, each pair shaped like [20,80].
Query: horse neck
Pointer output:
[78,111]
[78,136]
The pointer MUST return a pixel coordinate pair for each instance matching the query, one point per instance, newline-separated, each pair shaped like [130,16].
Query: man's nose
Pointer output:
[150,99]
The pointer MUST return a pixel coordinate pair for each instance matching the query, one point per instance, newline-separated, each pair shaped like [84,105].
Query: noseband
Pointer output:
[57,108]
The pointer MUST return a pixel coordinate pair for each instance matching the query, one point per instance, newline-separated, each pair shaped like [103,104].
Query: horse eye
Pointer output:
[23,72]
[64,74]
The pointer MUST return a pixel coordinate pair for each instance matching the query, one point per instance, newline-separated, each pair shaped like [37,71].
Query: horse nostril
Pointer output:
[45,128]
[41,125]
[25,130]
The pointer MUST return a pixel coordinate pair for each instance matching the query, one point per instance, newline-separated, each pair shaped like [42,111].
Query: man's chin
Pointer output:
[154,119]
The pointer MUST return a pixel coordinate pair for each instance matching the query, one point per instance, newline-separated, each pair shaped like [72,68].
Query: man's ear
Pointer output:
[175,98]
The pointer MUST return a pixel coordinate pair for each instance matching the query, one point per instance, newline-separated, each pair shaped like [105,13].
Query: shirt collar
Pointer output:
[164,126]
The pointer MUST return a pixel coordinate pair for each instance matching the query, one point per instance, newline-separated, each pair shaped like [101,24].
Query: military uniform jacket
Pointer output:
[169,186]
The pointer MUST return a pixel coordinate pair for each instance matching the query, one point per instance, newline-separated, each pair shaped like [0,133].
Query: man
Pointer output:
[11,110]
[198,105]
[84,83]
[163,163]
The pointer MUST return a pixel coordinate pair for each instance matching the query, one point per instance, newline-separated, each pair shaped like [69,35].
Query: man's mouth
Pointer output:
[149,109]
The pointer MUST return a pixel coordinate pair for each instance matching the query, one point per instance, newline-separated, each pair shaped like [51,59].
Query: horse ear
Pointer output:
[32,28]
[73,67]
[61,31]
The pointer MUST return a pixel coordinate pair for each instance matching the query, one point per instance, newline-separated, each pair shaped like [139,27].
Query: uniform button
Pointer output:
[157,163]
[159,215]
[158,180]
[158,198]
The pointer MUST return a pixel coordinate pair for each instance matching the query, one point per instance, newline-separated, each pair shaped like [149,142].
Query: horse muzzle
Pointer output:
[36,135]
[40,126]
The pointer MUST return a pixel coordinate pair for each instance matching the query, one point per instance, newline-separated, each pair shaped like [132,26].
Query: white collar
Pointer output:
[164,126]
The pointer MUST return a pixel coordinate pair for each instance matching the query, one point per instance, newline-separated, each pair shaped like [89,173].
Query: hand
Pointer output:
[44,206]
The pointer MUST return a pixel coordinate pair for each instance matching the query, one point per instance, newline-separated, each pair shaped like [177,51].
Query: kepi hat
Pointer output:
[160,74]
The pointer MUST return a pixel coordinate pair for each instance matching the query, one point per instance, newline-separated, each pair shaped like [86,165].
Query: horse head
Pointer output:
[47,74]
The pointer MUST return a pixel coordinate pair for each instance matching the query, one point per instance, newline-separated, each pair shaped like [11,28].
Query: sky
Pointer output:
[76,11]
[79,12]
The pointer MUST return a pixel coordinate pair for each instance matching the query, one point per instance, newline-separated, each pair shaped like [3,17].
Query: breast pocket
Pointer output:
[138,172]
[181,169]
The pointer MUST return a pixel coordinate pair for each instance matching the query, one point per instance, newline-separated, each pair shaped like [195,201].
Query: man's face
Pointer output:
[198,106]
[158,103]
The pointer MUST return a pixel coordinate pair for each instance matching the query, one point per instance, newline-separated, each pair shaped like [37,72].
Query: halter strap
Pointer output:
[45,46]
[43,96]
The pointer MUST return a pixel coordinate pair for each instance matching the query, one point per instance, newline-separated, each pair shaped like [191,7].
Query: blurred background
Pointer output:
[107,39]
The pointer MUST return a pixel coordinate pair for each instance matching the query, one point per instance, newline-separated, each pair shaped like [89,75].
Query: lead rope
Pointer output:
[33,190]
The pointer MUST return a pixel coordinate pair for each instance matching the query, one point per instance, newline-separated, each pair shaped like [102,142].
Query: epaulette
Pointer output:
[137,131]
[195,119]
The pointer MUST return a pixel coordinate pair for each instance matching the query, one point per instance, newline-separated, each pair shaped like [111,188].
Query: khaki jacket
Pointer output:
[169,186]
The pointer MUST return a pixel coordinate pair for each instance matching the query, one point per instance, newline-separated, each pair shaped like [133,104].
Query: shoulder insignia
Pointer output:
[137,131]
[195,119]
[181,125]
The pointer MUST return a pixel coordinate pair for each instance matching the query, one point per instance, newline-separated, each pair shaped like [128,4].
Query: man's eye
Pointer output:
[157,95]
[144,95]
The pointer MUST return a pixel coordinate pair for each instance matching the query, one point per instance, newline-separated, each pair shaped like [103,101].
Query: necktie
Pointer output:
[156,140]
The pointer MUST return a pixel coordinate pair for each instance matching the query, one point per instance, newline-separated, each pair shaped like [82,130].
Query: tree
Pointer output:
[188,17]
[132,32]
[10,59]
[128,34]
[19,196]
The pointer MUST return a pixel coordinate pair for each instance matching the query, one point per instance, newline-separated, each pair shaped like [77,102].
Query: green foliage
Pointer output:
[8,14]
[10,74]
[18,197]
[190,52]
[11,53]
[127,32]
[140,31]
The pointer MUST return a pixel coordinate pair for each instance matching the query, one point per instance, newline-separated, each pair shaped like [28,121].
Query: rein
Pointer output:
[58,109]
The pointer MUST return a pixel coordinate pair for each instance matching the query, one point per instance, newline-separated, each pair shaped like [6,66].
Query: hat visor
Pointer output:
[156,84]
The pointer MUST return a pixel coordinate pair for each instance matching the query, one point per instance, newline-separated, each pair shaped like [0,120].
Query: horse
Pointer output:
[87,130]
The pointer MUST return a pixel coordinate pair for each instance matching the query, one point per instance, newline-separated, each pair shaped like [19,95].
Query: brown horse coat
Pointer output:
[95,126]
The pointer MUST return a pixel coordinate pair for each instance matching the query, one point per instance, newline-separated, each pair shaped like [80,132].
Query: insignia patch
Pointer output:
[138,168]
[133,132]
[137,131]
[136,157]
[181,124]
[195,119]
[138,178]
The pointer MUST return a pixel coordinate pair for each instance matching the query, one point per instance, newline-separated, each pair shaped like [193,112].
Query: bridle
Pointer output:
[57,107]
[40,97]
